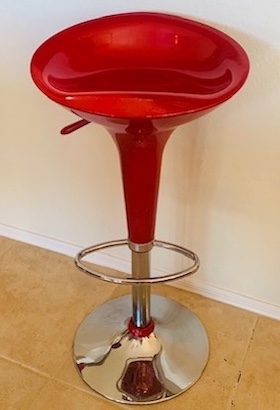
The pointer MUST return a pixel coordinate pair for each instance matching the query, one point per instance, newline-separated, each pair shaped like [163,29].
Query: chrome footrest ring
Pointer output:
[130,280]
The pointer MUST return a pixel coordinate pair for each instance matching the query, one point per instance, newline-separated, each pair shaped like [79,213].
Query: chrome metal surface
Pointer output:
[141,293]
[140,247]
[128,280]
[141,370]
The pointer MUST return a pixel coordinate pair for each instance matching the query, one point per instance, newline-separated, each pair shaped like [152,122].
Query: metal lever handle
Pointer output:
[73,127]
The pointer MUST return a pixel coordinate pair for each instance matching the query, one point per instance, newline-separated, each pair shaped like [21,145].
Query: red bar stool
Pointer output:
[140,75]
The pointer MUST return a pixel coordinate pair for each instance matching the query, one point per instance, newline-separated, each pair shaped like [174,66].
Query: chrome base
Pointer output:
[145,369]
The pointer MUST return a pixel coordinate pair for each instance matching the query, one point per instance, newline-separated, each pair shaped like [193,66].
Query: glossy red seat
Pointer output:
[139,65]
[140,75]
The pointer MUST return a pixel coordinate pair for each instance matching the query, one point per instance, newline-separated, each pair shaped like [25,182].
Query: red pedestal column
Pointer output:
[140,149]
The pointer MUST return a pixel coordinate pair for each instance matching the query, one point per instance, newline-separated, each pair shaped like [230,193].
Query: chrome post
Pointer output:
[141,293]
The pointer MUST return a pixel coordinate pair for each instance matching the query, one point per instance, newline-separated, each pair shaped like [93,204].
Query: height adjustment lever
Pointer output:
[73,127]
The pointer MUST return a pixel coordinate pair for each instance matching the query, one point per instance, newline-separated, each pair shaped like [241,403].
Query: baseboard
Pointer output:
[65,248]
[105,259]
[37,240]
[231,298]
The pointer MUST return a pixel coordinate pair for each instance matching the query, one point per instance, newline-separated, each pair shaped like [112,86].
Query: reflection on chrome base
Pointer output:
[128,368]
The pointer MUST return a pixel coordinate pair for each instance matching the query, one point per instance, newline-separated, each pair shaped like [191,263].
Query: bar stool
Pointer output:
[140,75]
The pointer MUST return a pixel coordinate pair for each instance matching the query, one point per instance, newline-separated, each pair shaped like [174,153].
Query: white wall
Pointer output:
[220,190]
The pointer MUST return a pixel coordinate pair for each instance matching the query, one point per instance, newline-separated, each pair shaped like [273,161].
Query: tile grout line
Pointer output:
[230,404]
[49,378]
[85,389]
[26,367]
[36,395]
[46,377]
[89,393]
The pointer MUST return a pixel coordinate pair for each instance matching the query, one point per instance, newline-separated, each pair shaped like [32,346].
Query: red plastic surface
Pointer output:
[140,157]
[141,331]
[140,75]
[139,65]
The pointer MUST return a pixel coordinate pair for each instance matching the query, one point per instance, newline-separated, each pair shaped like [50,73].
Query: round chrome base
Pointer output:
[140,370]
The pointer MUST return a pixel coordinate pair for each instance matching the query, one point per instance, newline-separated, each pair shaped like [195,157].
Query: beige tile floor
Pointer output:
[43,300]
